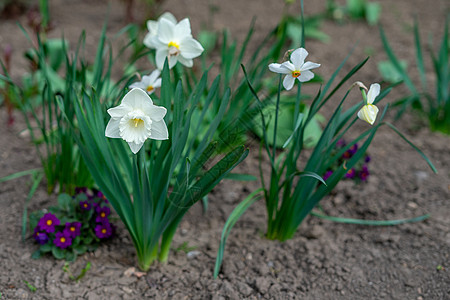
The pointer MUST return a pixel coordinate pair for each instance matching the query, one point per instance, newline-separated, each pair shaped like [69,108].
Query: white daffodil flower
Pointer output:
[148,83]
[175,42]
[297,68]
[152,27]
[369,111]
[137,119]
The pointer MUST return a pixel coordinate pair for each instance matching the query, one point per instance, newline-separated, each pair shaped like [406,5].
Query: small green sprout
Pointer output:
[66,269]
[30,286]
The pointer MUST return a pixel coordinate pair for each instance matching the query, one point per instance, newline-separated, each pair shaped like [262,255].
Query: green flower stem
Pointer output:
[167,238]
[146,259]
[364,95]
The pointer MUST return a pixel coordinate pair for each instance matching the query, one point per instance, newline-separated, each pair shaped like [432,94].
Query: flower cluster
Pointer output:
[359,173]
[76,225]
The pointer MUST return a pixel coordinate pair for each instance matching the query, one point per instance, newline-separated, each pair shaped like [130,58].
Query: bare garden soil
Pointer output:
[324,260]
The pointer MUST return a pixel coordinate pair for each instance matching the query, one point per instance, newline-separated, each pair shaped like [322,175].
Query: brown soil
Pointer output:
[324,260]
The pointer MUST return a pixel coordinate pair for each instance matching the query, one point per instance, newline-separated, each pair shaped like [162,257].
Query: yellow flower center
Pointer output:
[103,230]
[63,240]
[85,205]
[137,122]
[295,74]
[102,215]
[150,88]
[49,222]
[173,44]
[72,229]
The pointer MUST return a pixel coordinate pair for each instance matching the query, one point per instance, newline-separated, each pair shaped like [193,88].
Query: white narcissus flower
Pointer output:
[137,119]
[296,68]
[152,27]
[369,111]
[148,83]
[175,42]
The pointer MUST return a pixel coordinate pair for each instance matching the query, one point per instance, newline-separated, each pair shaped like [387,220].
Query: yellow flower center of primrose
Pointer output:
[49,222]
[103,230]
[102,215]
[137,122]
[63,240]
[72,229]
[295,74]
[85,205]
[150,88]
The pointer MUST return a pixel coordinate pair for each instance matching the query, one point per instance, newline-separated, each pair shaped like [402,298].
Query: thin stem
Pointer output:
[276,119]
[167,238]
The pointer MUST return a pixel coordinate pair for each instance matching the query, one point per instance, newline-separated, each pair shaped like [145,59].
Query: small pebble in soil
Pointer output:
[193,254]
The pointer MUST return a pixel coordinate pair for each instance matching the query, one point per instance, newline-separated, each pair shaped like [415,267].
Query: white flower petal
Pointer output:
[309,66]
[156,113]
[305,76]
[112,129]
[298,57]
[136,98]
[182,30]
[172,61]
[160,57]
[119,111]
[278,68]
[186,62]
[157,83]
[368,113]
[374,91]
[152,27]
[190,48]
[288,82]
[148,41]
[153,77]
[169,17]
[289,66]
[159,131]
[135,147]
[165,31]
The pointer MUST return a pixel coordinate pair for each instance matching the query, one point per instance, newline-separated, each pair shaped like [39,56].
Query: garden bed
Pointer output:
[324,260]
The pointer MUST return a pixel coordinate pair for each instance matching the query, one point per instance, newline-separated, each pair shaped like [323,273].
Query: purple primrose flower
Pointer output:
[364,173]
[85,205]
[102,214]
[350,173]
[40,236]
[350,152]
[62,239]
[48,222]
[103,230]
[73,229]
[367,159]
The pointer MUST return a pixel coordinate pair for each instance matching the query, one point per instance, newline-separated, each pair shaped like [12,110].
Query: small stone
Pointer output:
[412,205]
[193,254]
[420,176]
[127,290]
